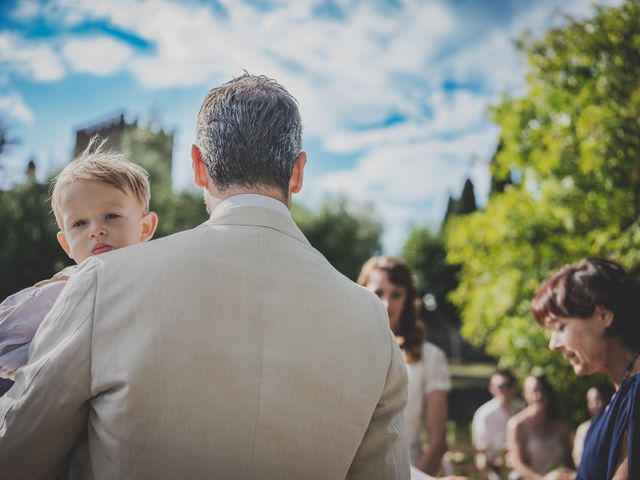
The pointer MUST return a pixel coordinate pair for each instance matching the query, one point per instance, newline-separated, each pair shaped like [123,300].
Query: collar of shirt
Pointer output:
[250,200]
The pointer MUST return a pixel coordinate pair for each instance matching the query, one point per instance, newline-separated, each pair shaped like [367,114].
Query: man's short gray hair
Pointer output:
[249,133]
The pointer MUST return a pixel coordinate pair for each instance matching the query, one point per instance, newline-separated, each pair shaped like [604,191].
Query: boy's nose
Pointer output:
[98,230]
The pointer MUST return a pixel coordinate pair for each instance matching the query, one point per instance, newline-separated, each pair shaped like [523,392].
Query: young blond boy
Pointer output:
[101,203]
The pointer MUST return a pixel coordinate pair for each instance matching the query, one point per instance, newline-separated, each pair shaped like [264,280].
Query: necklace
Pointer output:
[627,372]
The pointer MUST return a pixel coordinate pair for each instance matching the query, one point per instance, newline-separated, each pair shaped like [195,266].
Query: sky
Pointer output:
[394,94]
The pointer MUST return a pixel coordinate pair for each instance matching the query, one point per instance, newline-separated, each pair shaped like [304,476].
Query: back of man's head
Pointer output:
[249,133]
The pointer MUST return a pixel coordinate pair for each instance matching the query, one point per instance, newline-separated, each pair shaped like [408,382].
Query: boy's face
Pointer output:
[97,218]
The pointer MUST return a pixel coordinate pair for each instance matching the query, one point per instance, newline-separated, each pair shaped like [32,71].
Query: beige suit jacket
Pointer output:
[231,351]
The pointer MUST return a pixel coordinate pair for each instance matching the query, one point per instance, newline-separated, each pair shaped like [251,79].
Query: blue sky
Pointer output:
[393,94]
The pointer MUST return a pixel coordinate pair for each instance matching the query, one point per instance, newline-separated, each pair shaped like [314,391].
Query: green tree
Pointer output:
[464,205]
[467,202]
[500,178]
[180,211]
[153,151]
[573,143]
[345,234]
[30,251]
[425,253]
[6,140]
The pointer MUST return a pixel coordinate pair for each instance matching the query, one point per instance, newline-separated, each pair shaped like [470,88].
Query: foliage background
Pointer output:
[569,170]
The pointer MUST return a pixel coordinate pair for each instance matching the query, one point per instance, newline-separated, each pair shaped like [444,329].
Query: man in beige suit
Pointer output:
[231,351]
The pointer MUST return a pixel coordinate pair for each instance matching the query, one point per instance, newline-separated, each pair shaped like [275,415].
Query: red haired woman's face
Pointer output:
[393,296]
[581,340]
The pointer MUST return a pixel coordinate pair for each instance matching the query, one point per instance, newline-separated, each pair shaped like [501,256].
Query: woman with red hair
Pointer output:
[591,309]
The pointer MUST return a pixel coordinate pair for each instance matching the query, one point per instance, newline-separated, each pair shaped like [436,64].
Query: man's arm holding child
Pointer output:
[45,412]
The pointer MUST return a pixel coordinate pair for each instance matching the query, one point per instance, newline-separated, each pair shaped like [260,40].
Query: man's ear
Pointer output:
[149,224]
[62,240]
[297,174]
[200,174]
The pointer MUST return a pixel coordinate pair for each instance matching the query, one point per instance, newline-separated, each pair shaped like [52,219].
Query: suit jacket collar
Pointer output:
[258,217]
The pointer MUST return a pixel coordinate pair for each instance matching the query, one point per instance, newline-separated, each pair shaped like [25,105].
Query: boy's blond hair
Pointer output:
[111,168]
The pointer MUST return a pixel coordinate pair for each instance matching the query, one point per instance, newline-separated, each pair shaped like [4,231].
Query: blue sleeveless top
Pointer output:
[606,433]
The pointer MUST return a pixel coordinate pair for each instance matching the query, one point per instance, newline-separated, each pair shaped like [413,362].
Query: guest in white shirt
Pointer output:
[489,425]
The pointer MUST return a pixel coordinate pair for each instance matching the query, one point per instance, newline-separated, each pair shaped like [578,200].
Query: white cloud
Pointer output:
[414,178]
[543,14]
[347,63]
[15,107]
[351,74]
[97,56]
[492,62]
[30,59]
[26,10]
[412,172]
[454,113]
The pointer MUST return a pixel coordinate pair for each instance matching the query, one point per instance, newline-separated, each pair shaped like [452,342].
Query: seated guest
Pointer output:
[597,397]
[489,425]
[537,440]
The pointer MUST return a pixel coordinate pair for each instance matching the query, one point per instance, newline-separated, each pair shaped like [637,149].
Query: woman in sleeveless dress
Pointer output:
[537,440]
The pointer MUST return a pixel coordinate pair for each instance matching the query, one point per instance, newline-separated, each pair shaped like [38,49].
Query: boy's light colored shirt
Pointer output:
[489,426]
[20,316]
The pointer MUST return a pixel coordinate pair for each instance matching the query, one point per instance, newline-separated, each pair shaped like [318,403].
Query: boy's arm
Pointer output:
[20,316]
[45,412]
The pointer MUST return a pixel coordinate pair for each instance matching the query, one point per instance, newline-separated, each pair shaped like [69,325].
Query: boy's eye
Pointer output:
[111,216]
[78,223]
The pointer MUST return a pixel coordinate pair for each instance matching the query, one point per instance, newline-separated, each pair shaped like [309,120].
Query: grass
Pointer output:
[471,375]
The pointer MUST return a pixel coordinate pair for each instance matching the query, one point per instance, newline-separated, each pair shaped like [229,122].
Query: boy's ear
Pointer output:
[149,224]
[200,174]
[62,240]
